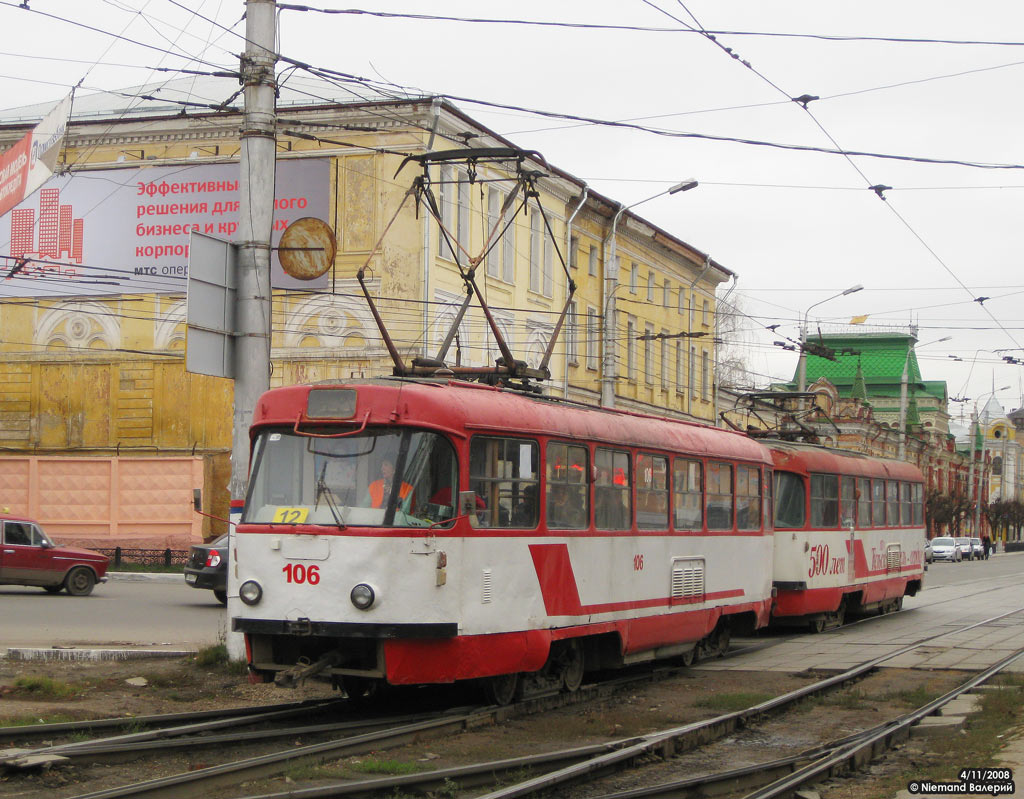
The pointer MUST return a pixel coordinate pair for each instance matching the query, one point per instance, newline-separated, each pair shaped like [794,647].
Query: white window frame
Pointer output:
[691,368]
[536,250]
[634,277]
[508,249]
[664,361]
[592,261]
[493,210]
[574,245]
[650,286]
[648,353]
[571,333]
[449,192]
[705,376]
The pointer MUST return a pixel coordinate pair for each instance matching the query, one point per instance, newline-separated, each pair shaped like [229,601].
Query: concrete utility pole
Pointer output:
[255,220]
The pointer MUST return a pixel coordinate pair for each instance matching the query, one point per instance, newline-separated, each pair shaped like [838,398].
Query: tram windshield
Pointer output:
[378,478]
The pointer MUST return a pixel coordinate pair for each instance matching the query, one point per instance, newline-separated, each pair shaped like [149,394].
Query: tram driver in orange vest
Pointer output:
[379,490]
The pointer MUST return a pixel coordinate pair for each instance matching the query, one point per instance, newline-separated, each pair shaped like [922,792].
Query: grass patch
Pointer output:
[852,699]
[731,702]
[977,746]
[216,655]
[43,688]
[390,768]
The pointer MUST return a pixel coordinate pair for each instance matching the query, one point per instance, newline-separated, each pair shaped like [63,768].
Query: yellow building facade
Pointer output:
[93,348]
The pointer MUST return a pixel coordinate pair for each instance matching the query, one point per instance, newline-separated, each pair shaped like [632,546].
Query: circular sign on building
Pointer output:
[307,248]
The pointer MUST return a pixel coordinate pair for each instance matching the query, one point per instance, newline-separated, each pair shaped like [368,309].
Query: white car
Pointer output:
[945,548]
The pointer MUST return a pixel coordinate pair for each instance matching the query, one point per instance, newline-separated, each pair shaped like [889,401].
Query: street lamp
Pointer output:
[902,423]
[611,279]
[802,363]
[981,462]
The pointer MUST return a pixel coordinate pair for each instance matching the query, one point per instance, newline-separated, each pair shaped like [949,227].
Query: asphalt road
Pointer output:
[161,613]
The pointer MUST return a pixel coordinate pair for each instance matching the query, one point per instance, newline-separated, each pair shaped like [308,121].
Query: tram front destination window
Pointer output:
[378,478]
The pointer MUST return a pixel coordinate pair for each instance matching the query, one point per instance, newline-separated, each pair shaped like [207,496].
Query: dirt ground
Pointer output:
[137,688]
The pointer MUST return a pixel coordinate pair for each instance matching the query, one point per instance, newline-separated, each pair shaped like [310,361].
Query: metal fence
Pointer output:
[149,557]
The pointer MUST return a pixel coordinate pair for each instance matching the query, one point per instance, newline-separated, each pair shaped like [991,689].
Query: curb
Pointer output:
[145,577]
[27,654]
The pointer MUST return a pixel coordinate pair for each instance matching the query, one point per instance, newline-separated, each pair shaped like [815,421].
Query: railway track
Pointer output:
[569,766]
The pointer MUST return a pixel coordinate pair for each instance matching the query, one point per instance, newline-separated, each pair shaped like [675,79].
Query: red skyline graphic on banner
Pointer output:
[60,234]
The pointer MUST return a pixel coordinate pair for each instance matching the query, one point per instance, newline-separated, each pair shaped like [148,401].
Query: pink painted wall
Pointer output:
[107,502]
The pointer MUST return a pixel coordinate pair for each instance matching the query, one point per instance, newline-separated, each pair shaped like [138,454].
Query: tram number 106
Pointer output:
[299,573]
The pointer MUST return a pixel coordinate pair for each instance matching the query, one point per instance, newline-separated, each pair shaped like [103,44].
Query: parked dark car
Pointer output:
[207,567]
[29,557]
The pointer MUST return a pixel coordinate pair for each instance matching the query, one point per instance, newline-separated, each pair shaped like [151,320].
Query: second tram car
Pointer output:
[849,534]
[428,531]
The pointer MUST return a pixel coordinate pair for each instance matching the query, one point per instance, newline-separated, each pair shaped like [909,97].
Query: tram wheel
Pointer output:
[817,625]
[362,691]
[501,690]
[571,659]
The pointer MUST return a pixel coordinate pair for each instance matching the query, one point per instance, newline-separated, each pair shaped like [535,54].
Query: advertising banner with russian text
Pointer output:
[31,162]
[126,231]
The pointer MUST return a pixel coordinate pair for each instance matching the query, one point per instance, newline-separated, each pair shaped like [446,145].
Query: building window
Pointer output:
[634,278]
[705,377]
[682,301]
[536,250]
[449,191]
[706,314]
[574,245]
[693,309]
[631,348]
[691,371]
[508,248]
[666,295]
[571,333]
[592,338]
[493,210]
[680,368]
[549,246]
[592,261]
[463,222]
[650,287]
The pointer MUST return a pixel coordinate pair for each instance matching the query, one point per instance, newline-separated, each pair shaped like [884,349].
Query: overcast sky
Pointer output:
[797,226]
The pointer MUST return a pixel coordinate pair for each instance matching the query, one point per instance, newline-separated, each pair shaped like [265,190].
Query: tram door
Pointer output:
[848,506]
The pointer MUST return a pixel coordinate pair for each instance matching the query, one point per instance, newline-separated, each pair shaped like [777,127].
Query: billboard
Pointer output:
[126,231]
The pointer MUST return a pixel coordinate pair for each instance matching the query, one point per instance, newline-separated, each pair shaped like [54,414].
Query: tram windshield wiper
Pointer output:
[324,490]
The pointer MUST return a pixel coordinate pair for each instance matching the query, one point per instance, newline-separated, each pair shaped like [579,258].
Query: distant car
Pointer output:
[945,548]
[29,557]
[207,567]
[964,545]
[977,550]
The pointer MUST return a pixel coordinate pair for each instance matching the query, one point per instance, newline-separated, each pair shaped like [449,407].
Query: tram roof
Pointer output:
[462,409]
[804,458]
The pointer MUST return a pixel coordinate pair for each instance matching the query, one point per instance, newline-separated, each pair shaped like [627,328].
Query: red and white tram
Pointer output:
[849,533]
[428,531]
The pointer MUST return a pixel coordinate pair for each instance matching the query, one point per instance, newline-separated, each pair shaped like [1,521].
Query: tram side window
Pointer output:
[905,504]
[878,503]
[790,500]
[824,500]
[504,474]
[612,510]
[718,499]
[566,486]
[748,497]
[847,500]
[651,492]
[918,497]
[863,502]
[767,507]
[892,494]
[688,501]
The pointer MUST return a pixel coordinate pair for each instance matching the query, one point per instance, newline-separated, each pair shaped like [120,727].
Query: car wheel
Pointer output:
[222,595]
[53,589]
[80,581]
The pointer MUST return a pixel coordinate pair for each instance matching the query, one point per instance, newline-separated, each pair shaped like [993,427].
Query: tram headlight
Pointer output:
[363,596]
[250,592]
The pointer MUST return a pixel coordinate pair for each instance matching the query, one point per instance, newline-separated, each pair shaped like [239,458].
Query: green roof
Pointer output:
[879,357]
